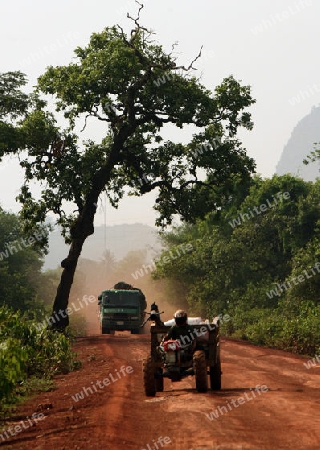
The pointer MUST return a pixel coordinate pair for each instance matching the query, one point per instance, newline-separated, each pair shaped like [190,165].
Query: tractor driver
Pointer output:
[181,330]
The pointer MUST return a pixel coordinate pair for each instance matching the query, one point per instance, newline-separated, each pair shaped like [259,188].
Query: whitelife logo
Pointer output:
[54,318]
[221,410]
[23,425]
[206,148]
[257,210]
[105,382]
[51,48]
[275,19]
[174,254]
[280,288]
[202,331]
[312,362]
[20,244]
[302,95]
[162,441]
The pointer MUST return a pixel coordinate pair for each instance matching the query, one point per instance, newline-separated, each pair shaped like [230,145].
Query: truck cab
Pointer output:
[121,309]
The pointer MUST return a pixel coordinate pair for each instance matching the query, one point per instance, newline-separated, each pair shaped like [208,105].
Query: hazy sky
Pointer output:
[270,45]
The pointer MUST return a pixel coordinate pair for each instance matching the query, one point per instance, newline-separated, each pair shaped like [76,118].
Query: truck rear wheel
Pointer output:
[215,376]
[107,331]
[200,369]
[148,377]
[135,331]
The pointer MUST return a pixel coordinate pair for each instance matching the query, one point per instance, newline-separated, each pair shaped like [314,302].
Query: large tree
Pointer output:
[132,86]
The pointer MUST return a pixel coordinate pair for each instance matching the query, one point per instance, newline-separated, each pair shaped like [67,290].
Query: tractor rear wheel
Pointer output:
[200,369]
[215,376]
[149,381]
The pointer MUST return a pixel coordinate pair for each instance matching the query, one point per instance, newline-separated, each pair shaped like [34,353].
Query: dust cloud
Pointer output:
[92,277]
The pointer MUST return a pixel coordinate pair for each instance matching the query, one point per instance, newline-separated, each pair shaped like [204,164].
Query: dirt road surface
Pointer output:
[117,415]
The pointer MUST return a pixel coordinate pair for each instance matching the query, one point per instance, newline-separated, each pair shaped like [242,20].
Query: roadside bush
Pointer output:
[242,318]
[27,350]
[266,330]
[297,332]
[300,333]
[12,367]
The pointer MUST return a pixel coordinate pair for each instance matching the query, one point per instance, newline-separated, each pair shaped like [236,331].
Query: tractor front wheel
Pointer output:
[200,369]
[159,381]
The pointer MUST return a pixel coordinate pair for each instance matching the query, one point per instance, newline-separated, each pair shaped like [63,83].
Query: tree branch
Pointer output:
[136,21]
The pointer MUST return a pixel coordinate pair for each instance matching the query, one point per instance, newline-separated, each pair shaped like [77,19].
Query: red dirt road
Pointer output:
[118,416]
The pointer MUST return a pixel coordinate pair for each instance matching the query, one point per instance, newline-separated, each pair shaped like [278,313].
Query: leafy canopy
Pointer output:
[129,83]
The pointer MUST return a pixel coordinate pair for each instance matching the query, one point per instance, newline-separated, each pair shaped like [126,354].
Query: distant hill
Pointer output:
[119,239]
[305,134]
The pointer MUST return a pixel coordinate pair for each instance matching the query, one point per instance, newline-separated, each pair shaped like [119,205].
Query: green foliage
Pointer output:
[12,366]
[13,105]
[20,264]
[276,328]
[250,267]
[28,350]
[13,101]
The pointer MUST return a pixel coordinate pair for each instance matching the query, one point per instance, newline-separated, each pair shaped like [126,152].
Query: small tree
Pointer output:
[129,83]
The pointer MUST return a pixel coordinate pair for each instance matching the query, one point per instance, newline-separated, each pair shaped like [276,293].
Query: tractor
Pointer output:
[197,355]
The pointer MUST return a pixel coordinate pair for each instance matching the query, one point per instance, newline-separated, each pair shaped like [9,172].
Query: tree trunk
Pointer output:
[59,319]
[82,228]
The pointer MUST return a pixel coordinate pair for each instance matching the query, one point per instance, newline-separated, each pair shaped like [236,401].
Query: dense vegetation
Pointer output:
[29,354]
[257,259]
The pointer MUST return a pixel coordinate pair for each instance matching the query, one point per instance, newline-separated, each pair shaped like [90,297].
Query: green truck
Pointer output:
[121,309]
